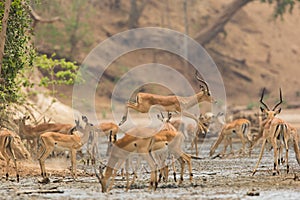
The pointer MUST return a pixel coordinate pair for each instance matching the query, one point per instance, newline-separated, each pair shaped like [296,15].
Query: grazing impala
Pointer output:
[240,127]
[278,133]
[140,141]
[9,142]
[144,101]
[120,151]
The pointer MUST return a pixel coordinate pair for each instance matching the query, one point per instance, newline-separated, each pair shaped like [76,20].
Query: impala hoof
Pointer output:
[44,180]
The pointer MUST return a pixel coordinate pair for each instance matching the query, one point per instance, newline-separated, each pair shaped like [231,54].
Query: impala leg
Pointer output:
[174,168]
[276,149]
[188,160]
[15,163]
[135,176]
[242,149]
[73,163]
[226,142]
[127,175]
[196,143]
[182,162]
[151,161]
[45,153]
[287,158]
[7,168]
[260,156]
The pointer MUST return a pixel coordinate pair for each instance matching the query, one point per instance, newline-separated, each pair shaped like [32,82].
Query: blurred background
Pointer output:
[255,43]
[254,49]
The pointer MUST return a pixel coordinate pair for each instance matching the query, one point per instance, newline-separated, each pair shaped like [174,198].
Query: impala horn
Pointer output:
[261,99]
[202,81]
[280,101]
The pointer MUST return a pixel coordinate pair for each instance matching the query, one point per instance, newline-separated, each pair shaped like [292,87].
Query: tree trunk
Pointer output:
[135,13]
[3,33]
[211,31]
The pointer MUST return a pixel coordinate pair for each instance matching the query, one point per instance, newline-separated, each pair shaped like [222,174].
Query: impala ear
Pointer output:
[84,118]
[277,111]
[77,122]
[262,110]
[169,116]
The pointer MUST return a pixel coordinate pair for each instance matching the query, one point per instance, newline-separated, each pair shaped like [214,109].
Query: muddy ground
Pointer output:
[219,178]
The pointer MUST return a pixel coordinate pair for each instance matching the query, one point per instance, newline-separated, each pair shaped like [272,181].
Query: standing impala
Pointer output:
[144,101]
[277,132]
[9,142]
[32,133]
[72,142]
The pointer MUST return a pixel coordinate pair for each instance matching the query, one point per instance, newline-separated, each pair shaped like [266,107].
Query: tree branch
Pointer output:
[211,31]
[3,34]
[36,18]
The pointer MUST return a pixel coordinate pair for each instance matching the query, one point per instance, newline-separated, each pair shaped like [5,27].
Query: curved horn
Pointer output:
[261,99]
[202,81]
[280,101]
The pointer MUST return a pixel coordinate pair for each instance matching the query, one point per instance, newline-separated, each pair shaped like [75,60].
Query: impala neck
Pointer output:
[193,100]
[84,137]
[199,96]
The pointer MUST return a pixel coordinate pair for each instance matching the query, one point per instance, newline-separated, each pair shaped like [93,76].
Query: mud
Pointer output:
[219,178]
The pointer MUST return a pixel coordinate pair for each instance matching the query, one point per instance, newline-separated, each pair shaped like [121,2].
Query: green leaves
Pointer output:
[281,6]
[56,71]
[17,52]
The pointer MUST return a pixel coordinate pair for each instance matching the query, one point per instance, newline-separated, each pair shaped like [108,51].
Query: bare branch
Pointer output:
[37,18]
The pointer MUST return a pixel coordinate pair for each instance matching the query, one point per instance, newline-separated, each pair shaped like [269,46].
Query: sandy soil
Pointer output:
[219,178]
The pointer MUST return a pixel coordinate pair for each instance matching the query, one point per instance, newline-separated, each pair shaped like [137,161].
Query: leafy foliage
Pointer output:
[56,71]
[281,6]
[20,57]
[18,51]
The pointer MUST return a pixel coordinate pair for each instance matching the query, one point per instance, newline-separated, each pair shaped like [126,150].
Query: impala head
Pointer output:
[21,121]
[166,122]
[19,148]
[162,118]
[204,88]
[266,110]
[101,179]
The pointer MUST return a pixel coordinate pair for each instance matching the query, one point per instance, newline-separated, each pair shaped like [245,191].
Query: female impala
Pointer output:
[72,142]
[32,133]
[142,141]
[241,127]
[9,142]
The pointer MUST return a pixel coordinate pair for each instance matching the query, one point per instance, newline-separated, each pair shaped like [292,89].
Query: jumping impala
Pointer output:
[72,142]
[240,127]
[32,133]
[278,133]
[9,142]
[178,104]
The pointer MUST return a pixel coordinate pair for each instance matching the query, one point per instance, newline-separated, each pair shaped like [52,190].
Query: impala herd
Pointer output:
[154,145]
